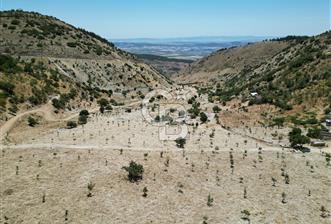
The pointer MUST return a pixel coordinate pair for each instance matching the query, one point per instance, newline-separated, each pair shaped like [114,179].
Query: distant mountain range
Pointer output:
[190,48]
[201,39]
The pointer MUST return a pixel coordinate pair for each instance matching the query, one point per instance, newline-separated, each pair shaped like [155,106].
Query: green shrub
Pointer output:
[195,110]
[103,102]
[314,132]
[71,124]
[216,109]
[135,171]
[109,108]
[38,98]
[72,44]
[98,50]
[32,122]
[12,27]
[278,121]
[82,119]
[58,104]
[3,100]
[327,110]
[203,117]
[180,142]
[157,118]
[296,138]
[15,22]
[84,113]
[7,87]
[9,64]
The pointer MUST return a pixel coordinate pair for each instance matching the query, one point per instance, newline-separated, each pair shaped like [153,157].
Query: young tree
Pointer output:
[102,109]
[245,192]
[273,181]
[284,198]
[216,109]
[328,158]
[71,124]
[180,142]
[245,215]
[157,118]
[32,122]
[210,201]
[145,190]
[287,179]
[103,103]
[324,213]
[90,187]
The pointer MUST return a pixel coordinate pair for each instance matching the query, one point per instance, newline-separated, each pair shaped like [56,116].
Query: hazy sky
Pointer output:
[183,18]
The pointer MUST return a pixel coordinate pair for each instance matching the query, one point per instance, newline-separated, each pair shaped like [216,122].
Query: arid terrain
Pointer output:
[225,141]
[46,170]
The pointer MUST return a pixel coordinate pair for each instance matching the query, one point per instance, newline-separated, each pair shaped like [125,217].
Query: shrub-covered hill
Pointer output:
[289,72]
[24,84]
[82,55]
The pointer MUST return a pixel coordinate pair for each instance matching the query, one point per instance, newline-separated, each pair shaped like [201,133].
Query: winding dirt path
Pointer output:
[46,111]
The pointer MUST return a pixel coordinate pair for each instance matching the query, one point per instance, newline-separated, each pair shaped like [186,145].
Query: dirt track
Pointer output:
[46,111]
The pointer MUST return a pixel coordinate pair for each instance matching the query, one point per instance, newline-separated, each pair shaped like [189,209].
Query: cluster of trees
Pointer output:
[64,99]
[7,87]
[104,105]
[9,64]
[82,119]
[194,111]
[309,121]
[297,139]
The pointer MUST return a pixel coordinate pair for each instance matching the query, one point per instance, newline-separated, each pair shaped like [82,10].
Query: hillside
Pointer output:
[230,61]
[43,50]
[286,72]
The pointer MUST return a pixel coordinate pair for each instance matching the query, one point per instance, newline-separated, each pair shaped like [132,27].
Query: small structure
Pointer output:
[328,122]
[318,144]
[210,116]
[254,94]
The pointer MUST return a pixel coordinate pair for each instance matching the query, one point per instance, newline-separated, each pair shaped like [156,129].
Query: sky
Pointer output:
[116,19]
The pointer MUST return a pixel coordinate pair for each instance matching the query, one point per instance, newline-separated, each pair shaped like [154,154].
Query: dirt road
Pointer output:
[46,111]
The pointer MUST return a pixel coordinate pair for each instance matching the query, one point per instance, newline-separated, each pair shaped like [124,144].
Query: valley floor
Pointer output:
[45,172]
